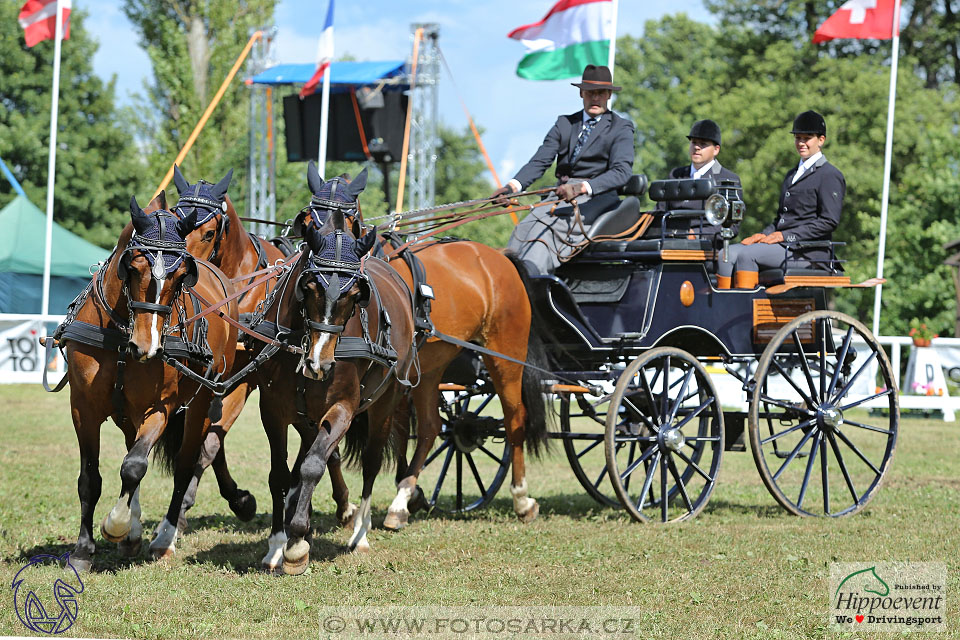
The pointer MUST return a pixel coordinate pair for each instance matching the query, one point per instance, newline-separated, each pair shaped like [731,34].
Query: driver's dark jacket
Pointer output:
[809,209]
[680,226]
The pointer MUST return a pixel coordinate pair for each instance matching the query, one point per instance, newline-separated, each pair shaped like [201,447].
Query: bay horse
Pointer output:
[133,311]
[479,297]
[335,296]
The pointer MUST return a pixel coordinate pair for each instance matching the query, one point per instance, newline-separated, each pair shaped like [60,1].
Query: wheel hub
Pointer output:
[672,439]
[829,416]
[471,431]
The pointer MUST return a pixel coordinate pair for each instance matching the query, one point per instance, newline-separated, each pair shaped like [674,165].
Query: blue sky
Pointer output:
[515,113]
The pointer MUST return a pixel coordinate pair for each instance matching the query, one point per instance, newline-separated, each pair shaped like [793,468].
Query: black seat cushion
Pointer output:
[626,215]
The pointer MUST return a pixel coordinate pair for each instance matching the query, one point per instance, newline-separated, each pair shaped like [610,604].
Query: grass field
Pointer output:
[742,569]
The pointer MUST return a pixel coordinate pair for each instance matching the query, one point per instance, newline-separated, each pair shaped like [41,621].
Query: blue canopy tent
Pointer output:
[343,75]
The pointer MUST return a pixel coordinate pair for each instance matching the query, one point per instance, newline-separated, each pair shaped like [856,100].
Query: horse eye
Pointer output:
[208,236]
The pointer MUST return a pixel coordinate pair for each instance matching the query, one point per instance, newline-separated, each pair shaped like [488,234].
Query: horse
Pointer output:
[334,295]
[480,297]
[134,310]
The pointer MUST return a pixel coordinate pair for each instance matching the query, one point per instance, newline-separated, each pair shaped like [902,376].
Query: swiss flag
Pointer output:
[39,20]
[861,19]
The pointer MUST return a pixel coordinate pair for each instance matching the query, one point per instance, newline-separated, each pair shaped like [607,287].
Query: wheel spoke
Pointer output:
[847,339]
[627,401]
[784,405]
[442,476]
[857,451]
[603,474]
[649,479]
[666,389]
[459,481]
[680,398]
[664,516]
[483,405]
[849,385]
[633,451]
[843,467]
[476,475]
[826,479]
[868,427]
[694,413]
[786,376]
[793,454]
[589,447]
[806,473]
[823,358]
[632,467]
[679,481]
[645,386]
[433,456]
[806,367]
[805,423]
[694,465]
[492,457]
[703,439]
[885,392]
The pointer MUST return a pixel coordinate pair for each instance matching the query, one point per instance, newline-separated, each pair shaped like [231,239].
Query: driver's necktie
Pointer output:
[582,140]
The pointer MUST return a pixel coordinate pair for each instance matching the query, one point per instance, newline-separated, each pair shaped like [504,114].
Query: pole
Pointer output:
[613,39]
[887,157]
[406,128]
[52,161]
[324,121]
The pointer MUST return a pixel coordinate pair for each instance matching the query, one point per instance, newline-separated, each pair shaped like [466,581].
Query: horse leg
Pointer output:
[195,426]
[507,378]
[378,417]
[123,519]
[410,498]
[275,426]
[296,553]
[346,510]
[89,482]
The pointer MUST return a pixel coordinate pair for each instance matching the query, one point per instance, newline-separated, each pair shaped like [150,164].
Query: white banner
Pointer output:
[22,355]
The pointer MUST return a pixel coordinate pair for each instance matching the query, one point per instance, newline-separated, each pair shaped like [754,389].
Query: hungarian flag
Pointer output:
[860,19]
[39,20]
[573,34]
[324,54]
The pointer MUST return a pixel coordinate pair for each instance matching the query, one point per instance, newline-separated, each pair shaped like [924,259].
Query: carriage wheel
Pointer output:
[664,436]
[586,416]
[470,460]
[818,454]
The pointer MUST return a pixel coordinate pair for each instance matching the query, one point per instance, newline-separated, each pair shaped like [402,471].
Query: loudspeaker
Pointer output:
[382,125]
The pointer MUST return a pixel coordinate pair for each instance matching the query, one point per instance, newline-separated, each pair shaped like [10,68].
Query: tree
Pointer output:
[98,167]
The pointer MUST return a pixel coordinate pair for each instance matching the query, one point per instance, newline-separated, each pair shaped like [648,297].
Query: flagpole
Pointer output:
[52,160]
[887,157]
[324,121]
[613,39]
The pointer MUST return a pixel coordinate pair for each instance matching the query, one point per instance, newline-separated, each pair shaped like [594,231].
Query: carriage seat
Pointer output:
[831,268]
[665,247]
[627,213]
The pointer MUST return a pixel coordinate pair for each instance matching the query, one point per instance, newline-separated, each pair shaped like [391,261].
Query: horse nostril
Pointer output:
[133,350]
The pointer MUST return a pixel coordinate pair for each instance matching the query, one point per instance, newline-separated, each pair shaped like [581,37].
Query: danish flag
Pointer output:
[324,54]
[861,19]
[39,20]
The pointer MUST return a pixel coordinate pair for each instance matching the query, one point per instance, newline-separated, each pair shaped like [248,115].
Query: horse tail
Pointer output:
[358,435]
[539,421]
[166,449]
[355,440]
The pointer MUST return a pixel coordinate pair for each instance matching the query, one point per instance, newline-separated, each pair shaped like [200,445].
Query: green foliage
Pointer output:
[752,74]
[97,164]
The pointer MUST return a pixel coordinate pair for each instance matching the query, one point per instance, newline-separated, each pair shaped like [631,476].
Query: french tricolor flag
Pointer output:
[324,54]
[39,20]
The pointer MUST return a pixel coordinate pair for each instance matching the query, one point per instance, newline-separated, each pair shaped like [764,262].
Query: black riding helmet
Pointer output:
[705,130]
[810,122]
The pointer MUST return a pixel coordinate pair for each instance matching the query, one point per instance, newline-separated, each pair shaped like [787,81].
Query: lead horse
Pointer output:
[480,297]
[134,310]
[353,316]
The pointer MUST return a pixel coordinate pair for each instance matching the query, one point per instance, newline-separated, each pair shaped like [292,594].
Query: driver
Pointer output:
[593,149]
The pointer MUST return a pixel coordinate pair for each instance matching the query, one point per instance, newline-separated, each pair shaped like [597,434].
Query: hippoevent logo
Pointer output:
[47,604]
[888,596]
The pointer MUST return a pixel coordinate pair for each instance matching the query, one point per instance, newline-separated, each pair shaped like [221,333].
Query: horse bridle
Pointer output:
[328,271]
[210,208]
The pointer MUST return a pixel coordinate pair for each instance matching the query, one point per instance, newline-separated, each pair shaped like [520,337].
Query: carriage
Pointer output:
[639,337]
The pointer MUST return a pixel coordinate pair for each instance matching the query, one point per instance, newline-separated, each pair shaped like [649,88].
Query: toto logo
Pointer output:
[31,595]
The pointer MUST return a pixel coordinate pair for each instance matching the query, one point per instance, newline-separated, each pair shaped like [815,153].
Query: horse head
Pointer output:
[332,200]
[330,287]
[202,210]
[153,267]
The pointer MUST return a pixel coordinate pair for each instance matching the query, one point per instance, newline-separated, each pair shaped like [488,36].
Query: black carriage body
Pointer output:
[609,305]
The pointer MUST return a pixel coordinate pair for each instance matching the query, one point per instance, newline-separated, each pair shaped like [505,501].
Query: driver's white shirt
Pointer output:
[698,173]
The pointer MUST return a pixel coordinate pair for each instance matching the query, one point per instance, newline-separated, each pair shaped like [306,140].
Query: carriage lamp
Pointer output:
[716,209]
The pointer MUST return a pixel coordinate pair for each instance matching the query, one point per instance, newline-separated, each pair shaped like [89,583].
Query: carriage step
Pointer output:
[783,455]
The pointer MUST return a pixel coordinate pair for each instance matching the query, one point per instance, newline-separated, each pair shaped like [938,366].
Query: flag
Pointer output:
[324,54]
[573,34]
[39,20]
[859,19]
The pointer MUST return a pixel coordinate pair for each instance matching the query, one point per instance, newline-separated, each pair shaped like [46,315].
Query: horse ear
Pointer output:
[357,185]
[220,189]
[141,220]
[366,243]
[314,181]
[315,239]
[179,181]
[160,202]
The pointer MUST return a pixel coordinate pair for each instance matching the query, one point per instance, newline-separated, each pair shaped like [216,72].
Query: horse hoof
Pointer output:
[162,554]
[82,565]
[130,548]
[273,569]
[361,547]
[531,513]
[396,520]
[181,525]
[111,537]
[417,501]
[347,517]
[295,567]
[244,506]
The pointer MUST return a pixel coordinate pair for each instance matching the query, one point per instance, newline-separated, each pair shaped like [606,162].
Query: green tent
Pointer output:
[22,235]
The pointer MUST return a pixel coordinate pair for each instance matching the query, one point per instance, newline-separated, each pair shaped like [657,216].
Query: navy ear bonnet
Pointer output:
[201,202]
[334,194]
[158,236]
[331,256]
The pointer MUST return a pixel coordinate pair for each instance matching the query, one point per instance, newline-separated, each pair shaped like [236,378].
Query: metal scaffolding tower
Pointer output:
[261,200]
[422,156]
